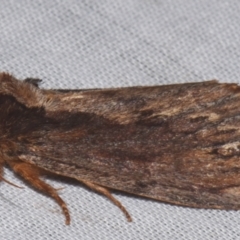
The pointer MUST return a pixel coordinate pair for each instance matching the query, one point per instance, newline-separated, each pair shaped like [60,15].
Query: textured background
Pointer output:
[103,43]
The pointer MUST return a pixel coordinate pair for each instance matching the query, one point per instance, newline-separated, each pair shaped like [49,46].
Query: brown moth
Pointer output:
[176,143]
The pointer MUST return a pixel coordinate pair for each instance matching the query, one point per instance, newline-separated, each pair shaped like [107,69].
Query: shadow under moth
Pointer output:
[178,143]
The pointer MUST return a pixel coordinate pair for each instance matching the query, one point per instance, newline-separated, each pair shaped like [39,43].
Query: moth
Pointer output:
[178,143]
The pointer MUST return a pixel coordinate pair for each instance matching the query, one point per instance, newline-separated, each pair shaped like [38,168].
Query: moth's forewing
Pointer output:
[176,143]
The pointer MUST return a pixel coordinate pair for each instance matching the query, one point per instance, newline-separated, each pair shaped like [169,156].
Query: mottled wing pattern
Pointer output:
[176,143]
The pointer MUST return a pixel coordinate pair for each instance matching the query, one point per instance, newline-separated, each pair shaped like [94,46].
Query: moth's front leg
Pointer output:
[1,168]
[32,174]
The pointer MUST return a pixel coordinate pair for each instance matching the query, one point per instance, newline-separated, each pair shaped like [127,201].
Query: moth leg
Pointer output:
[10,183]
[1,171]
[31,174]
[1,168]
[4,179]
[106,193]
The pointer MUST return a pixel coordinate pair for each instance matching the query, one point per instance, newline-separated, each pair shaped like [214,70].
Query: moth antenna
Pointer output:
[33,81]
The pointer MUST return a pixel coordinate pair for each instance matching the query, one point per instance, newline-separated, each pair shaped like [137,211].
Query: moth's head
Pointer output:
[6,78]
[25,92]
[8,84]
